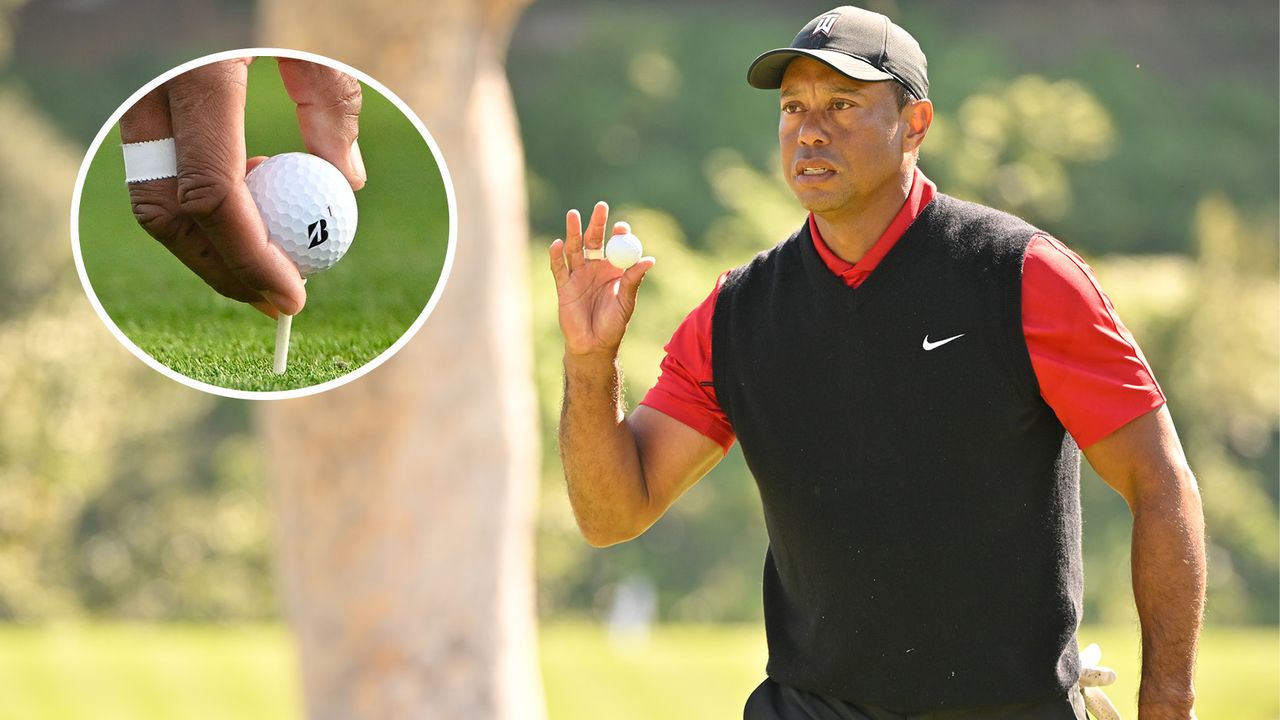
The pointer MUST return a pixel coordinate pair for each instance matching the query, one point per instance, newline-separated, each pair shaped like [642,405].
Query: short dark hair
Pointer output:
[901,93]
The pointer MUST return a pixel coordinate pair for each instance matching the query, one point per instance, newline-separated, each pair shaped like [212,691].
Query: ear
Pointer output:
[918,116]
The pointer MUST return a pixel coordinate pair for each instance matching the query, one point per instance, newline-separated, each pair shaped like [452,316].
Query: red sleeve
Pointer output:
[1088,365]
[684,389]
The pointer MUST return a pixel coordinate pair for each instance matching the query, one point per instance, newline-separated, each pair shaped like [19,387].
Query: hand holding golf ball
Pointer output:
[197,204]
[597,276]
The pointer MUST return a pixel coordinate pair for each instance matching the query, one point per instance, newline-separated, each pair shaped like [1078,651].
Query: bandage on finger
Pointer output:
[150,160]
[593,253]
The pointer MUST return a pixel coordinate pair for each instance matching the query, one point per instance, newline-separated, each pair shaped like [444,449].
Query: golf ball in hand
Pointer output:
[308,208]
[623,251]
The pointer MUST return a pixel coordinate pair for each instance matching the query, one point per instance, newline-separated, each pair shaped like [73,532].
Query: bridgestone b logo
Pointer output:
[317,232]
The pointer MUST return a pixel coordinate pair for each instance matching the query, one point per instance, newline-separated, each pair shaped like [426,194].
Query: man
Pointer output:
[909,376]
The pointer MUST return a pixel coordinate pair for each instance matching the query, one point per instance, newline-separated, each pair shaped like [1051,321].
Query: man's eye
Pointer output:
[790,108]
[841,104]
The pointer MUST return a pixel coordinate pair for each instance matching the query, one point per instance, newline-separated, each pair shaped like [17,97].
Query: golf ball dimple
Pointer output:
[623,250]
[308,208]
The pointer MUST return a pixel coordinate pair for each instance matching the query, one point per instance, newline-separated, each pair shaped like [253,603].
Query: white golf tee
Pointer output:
[284,323]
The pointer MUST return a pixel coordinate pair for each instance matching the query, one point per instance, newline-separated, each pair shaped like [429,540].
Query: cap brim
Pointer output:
[767,70]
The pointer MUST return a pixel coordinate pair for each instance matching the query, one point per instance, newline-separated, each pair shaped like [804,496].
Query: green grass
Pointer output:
[62,672]
[106,671]
[354,312]
[682,672]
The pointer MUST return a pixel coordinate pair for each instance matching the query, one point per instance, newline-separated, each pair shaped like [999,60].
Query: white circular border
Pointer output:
[268,394]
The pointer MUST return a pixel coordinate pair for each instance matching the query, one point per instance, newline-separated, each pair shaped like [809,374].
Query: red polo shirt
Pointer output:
[1089,368]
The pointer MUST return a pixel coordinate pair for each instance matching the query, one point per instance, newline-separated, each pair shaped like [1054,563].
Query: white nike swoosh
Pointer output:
[934,345]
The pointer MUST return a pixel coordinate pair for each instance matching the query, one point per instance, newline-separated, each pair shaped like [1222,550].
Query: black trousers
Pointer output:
[775,701]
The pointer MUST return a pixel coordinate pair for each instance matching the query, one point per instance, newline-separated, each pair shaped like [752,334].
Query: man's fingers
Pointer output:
[148,119]
[155,203]
[206,107]
[573,240]
[622,227]
[329,103]
[252,163]
[558,269]
[594,237]
[266,308]
[629,283]
[155,207]
[580,246]
[634,274]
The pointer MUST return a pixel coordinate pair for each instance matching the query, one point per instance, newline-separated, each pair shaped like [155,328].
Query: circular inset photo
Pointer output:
[263,223]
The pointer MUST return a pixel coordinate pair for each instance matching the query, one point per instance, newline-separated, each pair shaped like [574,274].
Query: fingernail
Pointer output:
[281,302]
[622,225]
[357,162]
[266,308]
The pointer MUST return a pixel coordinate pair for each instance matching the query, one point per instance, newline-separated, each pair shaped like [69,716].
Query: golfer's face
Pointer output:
[840,138]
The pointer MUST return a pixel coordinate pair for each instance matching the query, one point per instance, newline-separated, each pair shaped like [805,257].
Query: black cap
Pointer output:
[858,43]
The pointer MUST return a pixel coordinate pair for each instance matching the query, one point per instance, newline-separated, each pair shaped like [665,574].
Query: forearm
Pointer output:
[602,465]
[1168,584]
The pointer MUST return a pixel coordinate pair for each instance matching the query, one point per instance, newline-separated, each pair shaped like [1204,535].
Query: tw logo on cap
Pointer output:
[825,24]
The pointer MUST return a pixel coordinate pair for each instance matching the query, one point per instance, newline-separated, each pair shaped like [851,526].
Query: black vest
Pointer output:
[922,505]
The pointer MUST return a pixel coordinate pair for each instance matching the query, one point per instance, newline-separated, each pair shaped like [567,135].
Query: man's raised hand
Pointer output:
[596,298]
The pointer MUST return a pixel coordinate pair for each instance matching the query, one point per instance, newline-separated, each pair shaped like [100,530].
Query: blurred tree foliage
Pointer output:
[659,120]
[1013,148]
[120,492]
[1207,324]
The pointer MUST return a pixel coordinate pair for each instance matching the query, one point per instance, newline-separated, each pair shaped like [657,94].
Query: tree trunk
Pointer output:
[405,498]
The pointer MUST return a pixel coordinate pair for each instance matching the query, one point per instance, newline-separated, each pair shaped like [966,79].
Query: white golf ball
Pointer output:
[623,251]
[308,208]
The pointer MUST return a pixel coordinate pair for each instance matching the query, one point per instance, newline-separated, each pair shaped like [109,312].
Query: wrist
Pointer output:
[1165,704]
[592,362]
[593,379]
[1162,712]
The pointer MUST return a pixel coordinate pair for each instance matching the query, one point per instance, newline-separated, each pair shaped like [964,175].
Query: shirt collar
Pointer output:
[853,274]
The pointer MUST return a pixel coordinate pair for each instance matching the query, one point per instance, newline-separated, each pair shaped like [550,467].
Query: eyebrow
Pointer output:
[833,89]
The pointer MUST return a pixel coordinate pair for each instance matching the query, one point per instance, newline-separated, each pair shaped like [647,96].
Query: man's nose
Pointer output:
[813,131]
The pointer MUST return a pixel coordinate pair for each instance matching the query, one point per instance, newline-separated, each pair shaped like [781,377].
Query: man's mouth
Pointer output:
[813,169]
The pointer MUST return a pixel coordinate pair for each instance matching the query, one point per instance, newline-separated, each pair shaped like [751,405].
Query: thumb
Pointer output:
[629,283]
[329,103]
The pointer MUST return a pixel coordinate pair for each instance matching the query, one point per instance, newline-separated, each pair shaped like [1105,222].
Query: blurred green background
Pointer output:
[355,310]
[1144,134]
